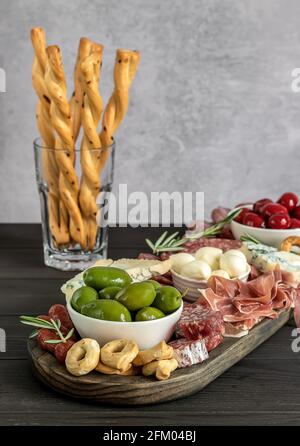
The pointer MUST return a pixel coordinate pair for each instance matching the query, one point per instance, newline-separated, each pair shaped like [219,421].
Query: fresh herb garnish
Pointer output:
[173,243]
[248,238]
[50,325]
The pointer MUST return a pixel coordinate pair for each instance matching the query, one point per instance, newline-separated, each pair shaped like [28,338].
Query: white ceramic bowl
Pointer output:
[193,285]
[272,237]
[146,334]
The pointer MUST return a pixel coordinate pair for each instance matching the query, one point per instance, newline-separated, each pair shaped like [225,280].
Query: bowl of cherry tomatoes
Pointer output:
[270,222]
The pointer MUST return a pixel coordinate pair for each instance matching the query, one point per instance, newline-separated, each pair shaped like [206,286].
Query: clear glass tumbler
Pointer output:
[74,230]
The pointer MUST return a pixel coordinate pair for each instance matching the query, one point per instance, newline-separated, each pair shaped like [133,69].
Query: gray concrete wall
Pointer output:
[211,108]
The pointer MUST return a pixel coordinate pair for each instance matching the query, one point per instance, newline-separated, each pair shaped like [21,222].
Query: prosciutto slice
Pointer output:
[245,304]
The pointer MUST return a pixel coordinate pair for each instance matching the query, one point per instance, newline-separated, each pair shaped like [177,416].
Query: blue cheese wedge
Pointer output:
[267,258]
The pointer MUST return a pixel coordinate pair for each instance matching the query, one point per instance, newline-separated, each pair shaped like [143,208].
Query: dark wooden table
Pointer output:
[263,388]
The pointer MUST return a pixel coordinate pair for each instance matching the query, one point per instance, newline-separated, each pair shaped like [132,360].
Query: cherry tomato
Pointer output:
[296,212]
[240,217]
[272,208]
[289,200]
[295,223]
[254,220]
[45,335]
[281,220]
[259,204]
[60,312]
[62,349]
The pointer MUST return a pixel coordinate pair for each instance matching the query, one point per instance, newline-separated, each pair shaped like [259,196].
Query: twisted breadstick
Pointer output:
[84,50]
[90,116]
[124,72]
[62,123]
[44,125]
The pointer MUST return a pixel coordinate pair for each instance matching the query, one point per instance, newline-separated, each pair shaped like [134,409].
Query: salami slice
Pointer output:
[197,321]
[222,243]
[188,353]
[212,341]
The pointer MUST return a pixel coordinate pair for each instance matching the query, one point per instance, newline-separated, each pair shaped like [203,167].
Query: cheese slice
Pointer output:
[267,258]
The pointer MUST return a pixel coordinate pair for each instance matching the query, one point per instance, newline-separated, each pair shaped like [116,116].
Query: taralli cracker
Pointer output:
[159,351]
[161,369]
[119,354]
[83,357]
[102,368]
[289,242]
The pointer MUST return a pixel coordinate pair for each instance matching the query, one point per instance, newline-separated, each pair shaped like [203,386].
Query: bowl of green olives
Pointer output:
[110,306]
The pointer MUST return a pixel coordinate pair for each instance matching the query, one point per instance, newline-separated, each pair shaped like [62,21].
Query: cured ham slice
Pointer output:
[245,304]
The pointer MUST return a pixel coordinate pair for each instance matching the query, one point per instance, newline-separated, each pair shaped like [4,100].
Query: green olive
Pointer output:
[168,299]
[154,283]
[107,310]
[100,277]
[149,314]
[109,292]
[136,296]
[83,296]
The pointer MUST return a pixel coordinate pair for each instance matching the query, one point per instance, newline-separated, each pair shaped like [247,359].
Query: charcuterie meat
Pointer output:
[218,214]
[222,243]
[188,353]
[244,304]
[197,322]
[212,341]
[164,279]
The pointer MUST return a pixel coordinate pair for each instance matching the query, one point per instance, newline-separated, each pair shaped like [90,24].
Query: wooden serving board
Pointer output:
[139,390]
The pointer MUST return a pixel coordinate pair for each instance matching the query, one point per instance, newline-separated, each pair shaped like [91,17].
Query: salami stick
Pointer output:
[84,50]
[124,72]
[90,116]
[62,123]
[50,168]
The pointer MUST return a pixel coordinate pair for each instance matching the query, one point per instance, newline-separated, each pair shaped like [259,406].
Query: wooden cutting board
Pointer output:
[139,390]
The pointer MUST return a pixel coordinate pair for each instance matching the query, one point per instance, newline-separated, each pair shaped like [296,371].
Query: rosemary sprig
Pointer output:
[173,243]
[248,238]
[217,228]
[50,325]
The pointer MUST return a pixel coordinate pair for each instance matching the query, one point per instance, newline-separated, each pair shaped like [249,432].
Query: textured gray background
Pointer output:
[211,108]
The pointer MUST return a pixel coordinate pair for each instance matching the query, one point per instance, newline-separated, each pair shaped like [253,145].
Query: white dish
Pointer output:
[272,237]
[182,283]
[146,334]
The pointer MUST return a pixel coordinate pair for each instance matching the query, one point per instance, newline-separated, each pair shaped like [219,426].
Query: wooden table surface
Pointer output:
[263,388]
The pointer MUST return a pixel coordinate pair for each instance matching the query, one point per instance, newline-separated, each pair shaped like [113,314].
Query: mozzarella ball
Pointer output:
[197,270]
[180,259]
[209,255]
[233,265]
[221,273]
[236,252]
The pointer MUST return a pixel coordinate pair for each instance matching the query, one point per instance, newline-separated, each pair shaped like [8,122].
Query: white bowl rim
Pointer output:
[260,229]
[195,281]
[103,321]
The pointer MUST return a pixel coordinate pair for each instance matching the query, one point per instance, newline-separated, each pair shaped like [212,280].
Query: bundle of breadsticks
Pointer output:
[72,208]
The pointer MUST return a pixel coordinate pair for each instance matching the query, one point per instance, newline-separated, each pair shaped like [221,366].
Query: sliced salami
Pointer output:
[222,243]
[212,341]
[188,353]
[197,321]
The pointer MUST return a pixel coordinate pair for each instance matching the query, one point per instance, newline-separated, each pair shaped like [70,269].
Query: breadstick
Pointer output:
[84,50]
[50,168]
[61,121]
[124,72]
[90,116]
